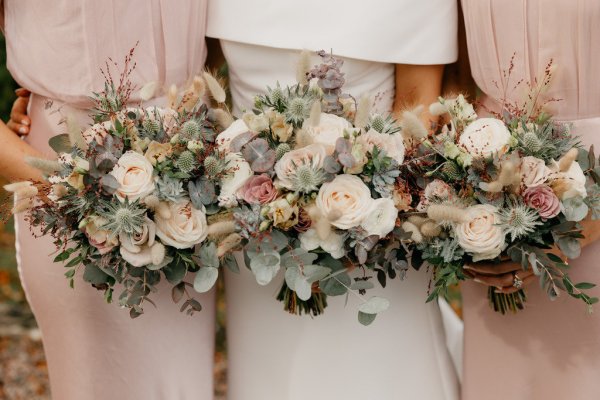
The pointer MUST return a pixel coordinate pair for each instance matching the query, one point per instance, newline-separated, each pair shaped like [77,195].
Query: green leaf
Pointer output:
[337,285]
[74,262]
[175,272]
[64,255]
[314,273]
[297,257]
[231,263]
[60,143]
[374,305]
[70,273]
[177,292]
[362,285]
[205,279]
[94,275]
[207,255]
[366,319]
[265,266]
[585,285]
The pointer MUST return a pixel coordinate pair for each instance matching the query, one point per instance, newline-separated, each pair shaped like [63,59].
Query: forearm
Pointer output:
[13,152]
[591,230]
[417,85]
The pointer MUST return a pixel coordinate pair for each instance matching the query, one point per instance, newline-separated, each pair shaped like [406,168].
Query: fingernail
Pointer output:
[467,267]
[25,122]
[23,129]
[478,280]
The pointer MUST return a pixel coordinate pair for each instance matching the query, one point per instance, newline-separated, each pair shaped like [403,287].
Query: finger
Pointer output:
[19,111]
[22,92]
[18,128]
[497,281]
[493,269]
[511,289]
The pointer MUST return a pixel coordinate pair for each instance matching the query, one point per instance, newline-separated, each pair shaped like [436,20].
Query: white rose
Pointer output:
[382,218]
[346,201]
[392,144]
[534,171]
[485,137]
[482,237]
[332,244]
[134,174]
[232,182]
[141,249]
[97,132]
[185,227]
[225,138]
[569,184]
[330,128]
[312,155]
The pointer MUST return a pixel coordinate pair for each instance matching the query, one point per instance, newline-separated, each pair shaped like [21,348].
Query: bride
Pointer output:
[386,47]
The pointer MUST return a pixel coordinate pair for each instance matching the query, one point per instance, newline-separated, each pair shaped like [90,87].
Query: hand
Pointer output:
[500,275]
[19,121]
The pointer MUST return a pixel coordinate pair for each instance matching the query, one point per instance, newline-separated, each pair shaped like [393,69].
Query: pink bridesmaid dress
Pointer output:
[94,350]
[551,350]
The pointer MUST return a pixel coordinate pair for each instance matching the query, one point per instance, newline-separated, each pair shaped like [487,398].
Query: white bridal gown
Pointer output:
[277,356]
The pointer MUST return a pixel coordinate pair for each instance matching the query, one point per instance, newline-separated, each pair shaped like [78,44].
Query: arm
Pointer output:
[417,85]
[13,151]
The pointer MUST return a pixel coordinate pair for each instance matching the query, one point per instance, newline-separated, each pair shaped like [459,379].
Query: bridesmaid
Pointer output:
[387,51]
[94,350]
[551,350]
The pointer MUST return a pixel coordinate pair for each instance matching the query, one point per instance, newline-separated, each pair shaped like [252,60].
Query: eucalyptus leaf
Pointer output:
[61,143]
[570,247]
[374,305]
[240,141]
[265,266]
[94,275]
[259,155]
[314,273]
[366,319]
[175,272]
[336,285]
[362,285]
[575,209]
[296,257]
[231,263]
[205,279]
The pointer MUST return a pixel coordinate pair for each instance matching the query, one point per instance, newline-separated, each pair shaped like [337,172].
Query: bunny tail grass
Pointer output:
[48,166]
[214,87]
[363,111]
[74,132]
[303,67]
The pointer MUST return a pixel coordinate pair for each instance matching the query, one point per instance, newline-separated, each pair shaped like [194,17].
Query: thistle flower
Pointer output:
[212,166]
[307,179]
[190,130]
[452,170]
[281,149]
[186,161]
[531,142]
[151,126]
[518,219]
[298,110]
[378,123]
[122,217]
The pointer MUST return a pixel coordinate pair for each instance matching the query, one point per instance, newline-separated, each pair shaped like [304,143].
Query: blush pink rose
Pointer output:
[543,199]
[258,189]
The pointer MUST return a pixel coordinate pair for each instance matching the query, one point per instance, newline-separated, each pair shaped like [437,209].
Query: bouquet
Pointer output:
[129,199]
[319,194]
[515,186]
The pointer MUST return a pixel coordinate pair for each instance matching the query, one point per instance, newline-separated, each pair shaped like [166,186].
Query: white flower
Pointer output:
[392,144]
[134,174]
[382,218]
[534,171]
[97,132]
[233,181]
[185,227]
[332,244]
[330,128]
[287,167]
[256,123]
[225,138]
[98,237]
[346,201]
[461,109]
[142,249]
[485,137]
[481,236]
[570,183]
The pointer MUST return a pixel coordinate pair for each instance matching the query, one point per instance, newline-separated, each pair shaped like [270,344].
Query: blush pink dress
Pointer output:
[94,350]
[550,351]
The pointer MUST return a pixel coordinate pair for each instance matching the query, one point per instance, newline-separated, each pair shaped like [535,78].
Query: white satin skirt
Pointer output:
[274,355]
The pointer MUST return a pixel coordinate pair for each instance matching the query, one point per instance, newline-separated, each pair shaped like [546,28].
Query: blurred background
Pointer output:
[23,371]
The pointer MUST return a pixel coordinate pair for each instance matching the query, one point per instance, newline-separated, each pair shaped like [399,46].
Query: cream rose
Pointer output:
[280,130]
[481,236]
[382,218]
[97,132]
[346,201]
[100,238]
[185,227]
[330,128]
[235,180]
[158,152]
[570,183]
[534,171]
[225,138]
[142,249]
[312,155]
[438,189]
[392,144]
[134,174]
[256,123]
[485,137]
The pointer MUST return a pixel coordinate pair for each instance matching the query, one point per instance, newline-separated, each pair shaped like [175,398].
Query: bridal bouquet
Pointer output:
[318,193]
[128,199]
[513,187]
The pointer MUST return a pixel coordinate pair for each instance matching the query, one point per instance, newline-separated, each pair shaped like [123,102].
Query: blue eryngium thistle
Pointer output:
[298,110]
[122,217]
[518,220]
[307,179]
[186,161]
